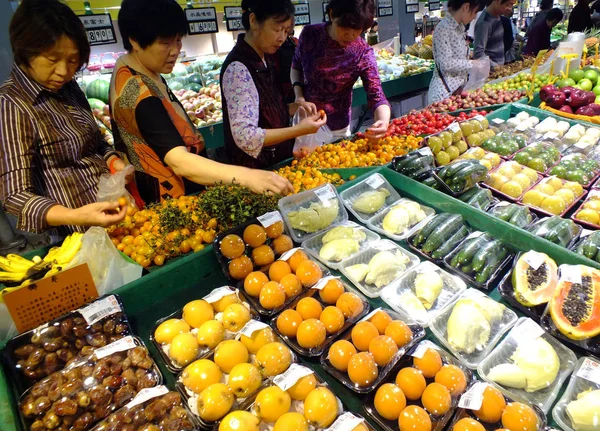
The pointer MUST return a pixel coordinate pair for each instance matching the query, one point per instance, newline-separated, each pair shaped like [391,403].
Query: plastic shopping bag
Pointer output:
[306,144]
[478,74]
[112,187]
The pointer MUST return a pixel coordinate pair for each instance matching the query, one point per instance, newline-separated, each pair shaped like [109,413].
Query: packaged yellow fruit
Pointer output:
[258,339]
[271,403]
[533,197]
[496,180]
[462,146]
[522,179]
[235,316]
[478,153]
[195,313]
[592,204]
[214,402]
[531,174]
[220,305]
[273,359]
[442,158]
[244,379]
[168,329]
[201,374]
[576,188]
[512,189]
[229,353]
[493,158]
[487,164]
[545,188]
[453,152]
[303,387]
[210,334]
[555,182]
[291,421]
[240,420]
[506,171]
[567,195]
[554,205]
[588,216]
[435,143]
[320,407]
[184,348]
[514,166]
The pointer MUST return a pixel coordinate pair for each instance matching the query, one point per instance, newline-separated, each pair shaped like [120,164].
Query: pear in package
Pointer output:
[401,219]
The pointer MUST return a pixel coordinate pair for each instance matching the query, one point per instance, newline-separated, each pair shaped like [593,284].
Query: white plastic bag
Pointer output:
[108,268]
[306,144]
[478,74]
[112,187]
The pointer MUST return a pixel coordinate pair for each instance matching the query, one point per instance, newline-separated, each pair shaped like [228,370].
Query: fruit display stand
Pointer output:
[202,273]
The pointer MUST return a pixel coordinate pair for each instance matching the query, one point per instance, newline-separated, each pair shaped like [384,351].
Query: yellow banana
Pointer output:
[51,253]
[12,265]
[17,258]
[55,270]
[12,277]
[69,250]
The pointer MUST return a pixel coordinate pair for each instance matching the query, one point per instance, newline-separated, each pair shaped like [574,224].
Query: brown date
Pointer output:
[51,420]
[101,397]
[83,422]
[124,395]
[83,399]
[42,405]
[65,408]
[96,340]
[24,351]
[71,388]
[113,382]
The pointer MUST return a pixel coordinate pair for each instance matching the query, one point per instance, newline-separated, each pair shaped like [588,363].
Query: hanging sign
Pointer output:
[412,6]
[202,20]
[385,8]
[434,5]
[99,29]
[325,15]
[233,18]
[302,16]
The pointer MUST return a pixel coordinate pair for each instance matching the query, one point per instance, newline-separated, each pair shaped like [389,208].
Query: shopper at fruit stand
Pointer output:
[539,38]
[151,125]
[580,18]
[489,32]
[51,151]
[451,50]
[545,7]
[256,117]
[329,60]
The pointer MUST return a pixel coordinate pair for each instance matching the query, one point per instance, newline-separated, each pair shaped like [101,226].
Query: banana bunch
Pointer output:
[14,268]
[61,256]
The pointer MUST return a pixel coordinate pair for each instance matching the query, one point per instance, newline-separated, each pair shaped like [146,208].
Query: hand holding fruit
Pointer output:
[268,182]
[312,123]
[377,130]
[309,107]
[99,214]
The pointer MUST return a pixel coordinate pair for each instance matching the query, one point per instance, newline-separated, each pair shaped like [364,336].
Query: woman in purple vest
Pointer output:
[330,58]
[256,117]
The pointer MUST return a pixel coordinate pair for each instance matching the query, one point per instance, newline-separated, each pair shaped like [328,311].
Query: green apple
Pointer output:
[596,90]
[592,75]
[585,84]
[576,75]
[597,100]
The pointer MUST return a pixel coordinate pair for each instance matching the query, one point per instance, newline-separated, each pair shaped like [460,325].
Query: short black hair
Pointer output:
[37,26]
[473,4]
[555,15]
[546,4]
[355,14]
[279,10]
[147,20]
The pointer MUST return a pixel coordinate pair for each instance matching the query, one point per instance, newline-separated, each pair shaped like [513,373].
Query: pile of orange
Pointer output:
[256,248]
[282,280]
[310,324]
[309,178]
[372,345]
[430,382]
[514,416]
[244,377]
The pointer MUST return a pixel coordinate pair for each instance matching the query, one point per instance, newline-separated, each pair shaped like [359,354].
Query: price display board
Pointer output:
[434,5]
[202,20]
[412,6]
[99,29]
[233,18]
[385,8]
[302,16]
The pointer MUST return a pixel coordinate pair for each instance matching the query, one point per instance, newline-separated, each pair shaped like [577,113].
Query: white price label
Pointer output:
[582,145]
[570,273]
[425,151]
[586,232]
[475,234]
[121,345]
[323,282]
[551,135]
[371,314]
[251,327]
[375,181]
[534,259]
[286,256]
[325,194]
[521,127]
[291,376]
[345,422]
[498,121]
[478,117]
[147,394]
[98,310]
[473,398]
[269,219]
[219,293]
[422,348]
[529,331]
[589,370]
[454,127]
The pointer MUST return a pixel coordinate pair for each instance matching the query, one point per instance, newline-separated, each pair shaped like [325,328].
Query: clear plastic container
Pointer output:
[314,245]
[526,178]
[526,331]
[471,354]
[418,333]
[452,287]
[374,183]
[376,223]
[546,228]
[325,198]
[585,377]
[364,258]
[554,188]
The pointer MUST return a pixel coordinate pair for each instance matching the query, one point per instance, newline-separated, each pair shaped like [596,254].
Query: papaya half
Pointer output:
[575,307]
[534,286]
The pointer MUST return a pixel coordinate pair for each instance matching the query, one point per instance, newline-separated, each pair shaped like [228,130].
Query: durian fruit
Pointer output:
[426,52]
[412,50]
[428,40]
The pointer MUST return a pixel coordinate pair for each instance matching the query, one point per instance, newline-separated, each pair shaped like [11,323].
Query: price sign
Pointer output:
[233,18]
[302,14]
[385,8]
[99,29]
[434,5]
[202,20]
[412,6]
[325,16]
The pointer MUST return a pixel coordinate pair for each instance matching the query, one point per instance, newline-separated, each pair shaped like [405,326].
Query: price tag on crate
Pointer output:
[251,327]
[534,259]
[219,293]
[147,394]
[551,136]
[291,376]
[422,348]
[98,310]
[269,219]
[375,181]
[498,121]
[570,273]
[286,256]
[323,282]
[479,117]
[521,127]
[473,398]
[529,331]
[121,345]
[454,127]
[589,370]
[325,194]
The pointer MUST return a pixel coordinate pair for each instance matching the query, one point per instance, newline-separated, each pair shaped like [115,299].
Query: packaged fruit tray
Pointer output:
[577,168]
[35,354]
[226,381]
[401,220]
[338,243]
[571,314]
[472,325]
[379,266]
[311,212]
[417,164]
[460,176]
[439,236]
[429,382]
[577,409]
[505,144]
[423,292]
[369,197]
[311,323]
[479,198]
[538,156]
[588,214]
[557,230]
[530,359]
[553,196]
[511,180]
[480,260]
[199,326]
[447,145]
[517,215]
[588,245]
[485,407]
[491,160]
[363,356]
[90,389]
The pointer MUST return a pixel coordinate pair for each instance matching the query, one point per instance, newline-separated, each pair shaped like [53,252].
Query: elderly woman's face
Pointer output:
[55,67]
[161,56]
[343,35]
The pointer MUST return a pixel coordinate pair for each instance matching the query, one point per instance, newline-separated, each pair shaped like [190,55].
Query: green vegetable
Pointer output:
[450,244]
[442,233]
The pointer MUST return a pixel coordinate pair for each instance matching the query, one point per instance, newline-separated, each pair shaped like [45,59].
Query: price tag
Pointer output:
[147,394]
[473,398]
[551,135]
[375,181]
[586,232]
[286,256]
[570,273]
[590,370]
[269,219]
[534,259]
[498,121]
[323,282]
[521,127]
[478,117]
[99,29]
[219,293]
[371,314]
[425,151]
[325,194]
[251,327]
[454,127]
[529,331]
[121,345]
[98,310]
[345,422]
[202,20]
[291,376]
[422,348]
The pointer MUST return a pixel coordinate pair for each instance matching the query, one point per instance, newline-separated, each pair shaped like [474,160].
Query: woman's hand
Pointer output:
[309,107]
[312,124]
[377,130]
[98,214]
[118,165]
[268,182]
